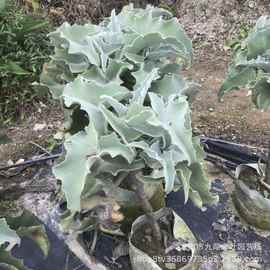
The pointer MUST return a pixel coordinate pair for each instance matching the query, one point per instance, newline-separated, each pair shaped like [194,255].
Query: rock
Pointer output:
[39,127]
[251,4]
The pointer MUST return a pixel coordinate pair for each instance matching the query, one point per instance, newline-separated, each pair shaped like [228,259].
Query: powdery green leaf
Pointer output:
[258,41]
[169,171]
[8,236]
[74,169]
[136,19]
[119,108]
[143,84]
[84,92]
[174,84]
[114,166]
[111,144]
[88,94]
[76,63]
[237,78]
[175,118]
[146,122]
[166,159]
[184,174]
[113,72]
[261,63]
[200,186]
[261,93]
[120,126]
[78,39]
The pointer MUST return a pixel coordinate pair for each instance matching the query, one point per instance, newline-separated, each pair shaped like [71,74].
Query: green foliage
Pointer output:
[236,43]
[11,231]
[251,65]
[125,75]
[7,235]
[23,49]
[3,138]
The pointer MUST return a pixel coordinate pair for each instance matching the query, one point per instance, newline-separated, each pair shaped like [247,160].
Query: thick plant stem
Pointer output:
[148,209]
[267,171]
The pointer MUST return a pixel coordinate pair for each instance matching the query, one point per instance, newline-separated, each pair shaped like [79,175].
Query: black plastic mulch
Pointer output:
[200,222]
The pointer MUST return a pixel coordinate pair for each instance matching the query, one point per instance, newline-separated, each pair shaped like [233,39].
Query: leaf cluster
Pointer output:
[128,110]
[251,65]
[24,48]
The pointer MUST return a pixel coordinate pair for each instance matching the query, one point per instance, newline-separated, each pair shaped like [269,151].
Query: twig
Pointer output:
[94,243]
[27,189]
[30,162]
[265,185]
[40,147]
[267,170]
[223,165]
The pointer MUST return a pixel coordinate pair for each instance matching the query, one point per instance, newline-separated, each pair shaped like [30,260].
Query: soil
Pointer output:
[235,118]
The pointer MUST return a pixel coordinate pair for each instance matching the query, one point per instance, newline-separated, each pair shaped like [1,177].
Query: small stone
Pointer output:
[251,4]
[221,221]
[39,127]
[21,160]
[10,162]
[59,136]
[42,104]
[219,227]
[211,109]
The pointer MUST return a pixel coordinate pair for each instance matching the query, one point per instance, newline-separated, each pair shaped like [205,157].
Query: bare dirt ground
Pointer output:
[39,128]
[236,118]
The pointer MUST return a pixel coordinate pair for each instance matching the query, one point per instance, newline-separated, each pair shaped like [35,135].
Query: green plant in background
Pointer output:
[23,48]
[250,66]
[128,113]
[236,43]
[251,69]
[3,138]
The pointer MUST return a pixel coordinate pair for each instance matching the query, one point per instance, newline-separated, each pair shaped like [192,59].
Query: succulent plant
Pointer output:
[128,110]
